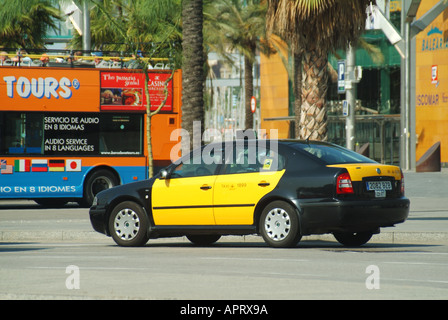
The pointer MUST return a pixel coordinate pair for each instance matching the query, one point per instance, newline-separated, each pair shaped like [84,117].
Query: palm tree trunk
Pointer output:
[313,117]
[193,70]
[248,92]
[297,83]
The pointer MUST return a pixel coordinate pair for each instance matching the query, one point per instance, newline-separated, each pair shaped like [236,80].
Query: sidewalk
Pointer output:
[427,222]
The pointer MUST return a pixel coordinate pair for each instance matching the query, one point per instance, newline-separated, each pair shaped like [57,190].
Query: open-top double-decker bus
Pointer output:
[67,133]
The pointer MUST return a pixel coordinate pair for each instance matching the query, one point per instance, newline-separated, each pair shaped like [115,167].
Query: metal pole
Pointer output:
[404,163]
[85,25]
[407,70]
[350,96]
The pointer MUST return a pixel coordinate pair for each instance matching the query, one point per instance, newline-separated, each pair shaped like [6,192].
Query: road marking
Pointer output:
[416,263]
[94,268]
[416,280]
[253,259]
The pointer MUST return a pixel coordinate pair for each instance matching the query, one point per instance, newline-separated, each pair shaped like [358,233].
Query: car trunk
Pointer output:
[370,181]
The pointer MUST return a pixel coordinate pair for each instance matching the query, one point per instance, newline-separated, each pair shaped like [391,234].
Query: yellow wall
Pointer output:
[431,95]
[274,92]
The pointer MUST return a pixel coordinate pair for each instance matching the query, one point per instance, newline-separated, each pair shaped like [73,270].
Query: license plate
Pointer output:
[380,187]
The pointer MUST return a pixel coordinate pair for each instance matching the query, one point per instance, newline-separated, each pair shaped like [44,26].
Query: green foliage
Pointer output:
[24,23]
[235,25]
[153,27]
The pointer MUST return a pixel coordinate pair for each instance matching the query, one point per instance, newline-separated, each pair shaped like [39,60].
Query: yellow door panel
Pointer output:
[359,171]
[183,201]
[236,195]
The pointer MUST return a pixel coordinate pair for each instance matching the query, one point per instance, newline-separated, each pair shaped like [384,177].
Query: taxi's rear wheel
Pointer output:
[279,225]
[352,239]
[128,225]
[203,239]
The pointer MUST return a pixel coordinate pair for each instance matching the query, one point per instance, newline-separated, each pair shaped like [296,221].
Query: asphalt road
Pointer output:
[170,269]
[54,254]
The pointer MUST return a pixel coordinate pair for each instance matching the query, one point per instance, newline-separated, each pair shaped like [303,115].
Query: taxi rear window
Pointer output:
[332,154]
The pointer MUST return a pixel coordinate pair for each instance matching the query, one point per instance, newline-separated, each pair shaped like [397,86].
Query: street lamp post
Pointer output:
[86,25]
[350,96]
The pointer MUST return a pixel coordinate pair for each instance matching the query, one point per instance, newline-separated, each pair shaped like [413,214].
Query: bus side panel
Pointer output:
[21,185]
[25,178]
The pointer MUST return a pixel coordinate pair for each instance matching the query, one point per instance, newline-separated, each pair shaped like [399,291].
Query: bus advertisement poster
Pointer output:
[125,91]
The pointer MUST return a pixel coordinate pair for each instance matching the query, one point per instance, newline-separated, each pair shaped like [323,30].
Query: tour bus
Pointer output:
[67,133]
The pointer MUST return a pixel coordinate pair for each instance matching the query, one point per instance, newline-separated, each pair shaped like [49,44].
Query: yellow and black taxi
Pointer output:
[279,189]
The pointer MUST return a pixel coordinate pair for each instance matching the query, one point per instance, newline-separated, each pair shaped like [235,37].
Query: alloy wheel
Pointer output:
[277,224]
[126,224]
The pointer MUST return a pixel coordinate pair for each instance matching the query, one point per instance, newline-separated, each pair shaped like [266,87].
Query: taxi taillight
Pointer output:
[344,184]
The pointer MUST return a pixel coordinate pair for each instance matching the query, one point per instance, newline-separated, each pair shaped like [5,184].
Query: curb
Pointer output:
[384,237]
[49,235]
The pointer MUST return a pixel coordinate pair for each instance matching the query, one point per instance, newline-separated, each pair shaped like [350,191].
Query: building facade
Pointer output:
[378,103]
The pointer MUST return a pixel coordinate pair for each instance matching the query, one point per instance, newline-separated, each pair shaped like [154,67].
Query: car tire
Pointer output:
[203,239]
[279,225]
[129,224]
[51,202]
[352,239]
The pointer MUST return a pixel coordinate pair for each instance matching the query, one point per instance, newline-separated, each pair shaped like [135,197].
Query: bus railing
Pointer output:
[80,60]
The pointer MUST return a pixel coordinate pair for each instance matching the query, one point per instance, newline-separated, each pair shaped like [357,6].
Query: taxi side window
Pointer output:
[247,160]
[271,160]
[197,165]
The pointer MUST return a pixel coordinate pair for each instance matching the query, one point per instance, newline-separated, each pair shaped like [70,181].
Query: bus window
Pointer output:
[121,134]
[98,134]
[21,133]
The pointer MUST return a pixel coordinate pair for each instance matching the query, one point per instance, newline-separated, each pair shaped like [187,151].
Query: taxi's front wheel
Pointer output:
[128,225]
[279,225]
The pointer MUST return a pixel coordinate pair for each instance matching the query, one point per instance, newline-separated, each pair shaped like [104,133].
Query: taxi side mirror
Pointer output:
[164,174]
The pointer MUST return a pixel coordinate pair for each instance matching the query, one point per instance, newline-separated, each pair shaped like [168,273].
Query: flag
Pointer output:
[7,169]
[73,165]
[22,165]
[56,165]
[38,165]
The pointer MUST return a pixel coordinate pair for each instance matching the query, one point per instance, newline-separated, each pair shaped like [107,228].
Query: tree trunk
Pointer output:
[150,114]
[313,116]
[193,72]
[297,83]
[248,92]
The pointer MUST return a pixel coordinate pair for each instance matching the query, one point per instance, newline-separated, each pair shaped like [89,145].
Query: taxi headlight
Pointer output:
[95,201]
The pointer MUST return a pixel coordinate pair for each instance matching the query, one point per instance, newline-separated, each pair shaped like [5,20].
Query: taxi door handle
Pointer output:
[264,184]
[205,187]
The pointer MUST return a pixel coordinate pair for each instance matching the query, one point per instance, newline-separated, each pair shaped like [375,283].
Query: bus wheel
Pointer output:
[51,202]
[98,181]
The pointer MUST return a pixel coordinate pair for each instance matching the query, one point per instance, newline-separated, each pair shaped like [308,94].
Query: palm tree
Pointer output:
[312,28]
[238,25]
[24,23]
[193,73]
[128,26]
